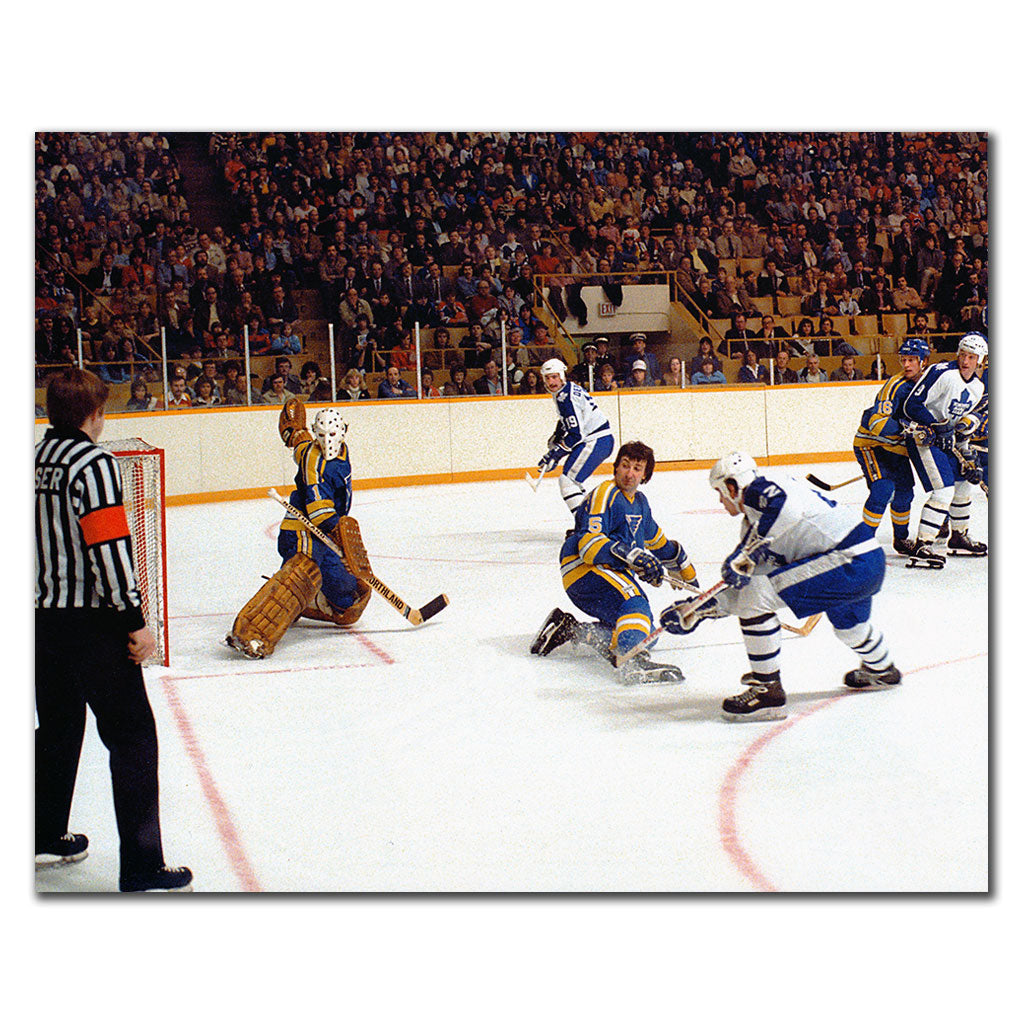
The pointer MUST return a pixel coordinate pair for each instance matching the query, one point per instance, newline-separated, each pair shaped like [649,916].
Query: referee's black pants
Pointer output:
[81,658]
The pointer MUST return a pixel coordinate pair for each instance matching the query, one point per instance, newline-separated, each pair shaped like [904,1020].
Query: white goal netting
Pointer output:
[142,476]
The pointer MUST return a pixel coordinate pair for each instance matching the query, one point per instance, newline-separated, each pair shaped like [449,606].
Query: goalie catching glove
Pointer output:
[739,567]
[291,424]
[641,561]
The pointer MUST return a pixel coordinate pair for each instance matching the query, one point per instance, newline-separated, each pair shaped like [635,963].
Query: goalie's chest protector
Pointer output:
[323,487]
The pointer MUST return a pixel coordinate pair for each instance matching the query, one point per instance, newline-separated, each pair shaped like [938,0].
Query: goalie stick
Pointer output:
[819,483]
[416,616]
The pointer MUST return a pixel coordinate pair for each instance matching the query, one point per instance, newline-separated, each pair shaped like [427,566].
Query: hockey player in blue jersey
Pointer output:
[940,420]
[820,557]
[616,544]
[312,581]
[881,448]
[583,435]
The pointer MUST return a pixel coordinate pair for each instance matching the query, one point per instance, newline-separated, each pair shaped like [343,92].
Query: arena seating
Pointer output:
[122,216]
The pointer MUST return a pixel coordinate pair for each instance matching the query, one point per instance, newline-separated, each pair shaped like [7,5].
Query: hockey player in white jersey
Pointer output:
[940,421]
[583,435]
[819,557]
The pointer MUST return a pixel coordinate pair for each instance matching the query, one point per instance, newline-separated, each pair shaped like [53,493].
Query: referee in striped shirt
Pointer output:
[91,640]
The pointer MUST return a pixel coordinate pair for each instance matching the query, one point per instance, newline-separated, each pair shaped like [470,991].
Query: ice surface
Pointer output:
[446,758]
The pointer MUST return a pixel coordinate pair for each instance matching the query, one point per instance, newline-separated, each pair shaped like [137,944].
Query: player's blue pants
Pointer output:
[339,585]
[584,458]
[839,583]
[890,477]
[587,456]
[615,599]
[935,469]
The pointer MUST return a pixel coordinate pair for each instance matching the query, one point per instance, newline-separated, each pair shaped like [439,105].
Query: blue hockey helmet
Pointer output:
[916,347]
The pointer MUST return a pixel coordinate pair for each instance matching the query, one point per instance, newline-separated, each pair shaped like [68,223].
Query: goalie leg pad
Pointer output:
[274,607]
[323,611]
[342,578]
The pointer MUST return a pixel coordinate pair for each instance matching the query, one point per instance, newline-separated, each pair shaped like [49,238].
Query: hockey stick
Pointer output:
[818,482]
[677,582]
[698,602]
[416,616]
[922,435]
[966,464]
[535,483]
[806,627]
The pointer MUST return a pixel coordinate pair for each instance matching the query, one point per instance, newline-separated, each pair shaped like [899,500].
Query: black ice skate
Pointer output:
[163,879]
[66,849]
[944,530]
[640,669]
[961,545]
[925,557]
[865,678]
[559,628]
[903,545]
[762,702]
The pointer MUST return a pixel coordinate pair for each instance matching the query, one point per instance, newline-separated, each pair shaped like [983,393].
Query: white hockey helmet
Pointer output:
[736,466]
[329,432]
[975,343]
[553,367]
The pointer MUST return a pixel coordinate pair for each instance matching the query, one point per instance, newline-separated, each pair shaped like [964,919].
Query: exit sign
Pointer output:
[605,309]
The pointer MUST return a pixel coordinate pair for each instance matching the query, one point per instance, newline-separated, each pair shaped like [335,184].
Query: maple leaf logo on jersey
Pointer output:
[633,522]
[958,406]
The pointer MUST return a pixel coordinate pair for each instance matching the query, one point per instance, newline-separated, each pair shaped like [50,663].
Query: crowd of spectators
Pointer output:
[449,230]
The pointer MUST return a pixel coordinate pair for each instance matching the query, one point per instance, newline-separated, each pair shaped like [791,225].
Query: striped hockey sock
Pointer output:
[868,644]
[761,638]
[900,523]
[932,518]
[960,515]
[879,496]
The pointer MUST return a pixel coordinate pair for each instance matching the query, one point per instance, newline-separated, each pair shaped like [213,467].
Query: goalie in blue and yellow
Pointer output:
[312,581]
[615,545]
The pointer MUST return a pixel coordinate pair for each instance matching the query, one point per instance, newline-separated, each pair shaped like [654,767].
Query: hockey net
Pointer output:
[142,479]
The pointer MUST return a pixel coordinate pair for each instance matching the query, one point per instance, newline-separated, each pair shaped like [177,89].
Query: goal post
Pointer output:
[142,479]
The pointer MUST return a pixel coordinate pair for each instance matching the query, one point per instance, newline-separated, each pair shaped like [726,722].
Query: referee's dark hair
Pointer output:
[72,396]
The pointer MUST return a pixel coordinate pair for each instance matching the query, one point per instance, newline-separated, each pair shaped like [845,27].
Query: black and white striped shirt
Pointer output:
[83,543]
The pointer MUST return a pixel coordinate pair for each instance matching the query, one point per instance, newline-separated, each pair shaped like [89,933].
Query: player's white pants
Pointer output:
[756,598]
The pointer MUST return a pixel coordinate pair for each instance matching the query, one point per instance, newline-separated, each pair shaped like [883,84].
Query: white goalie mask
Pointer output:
[329,432]
[736,466]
